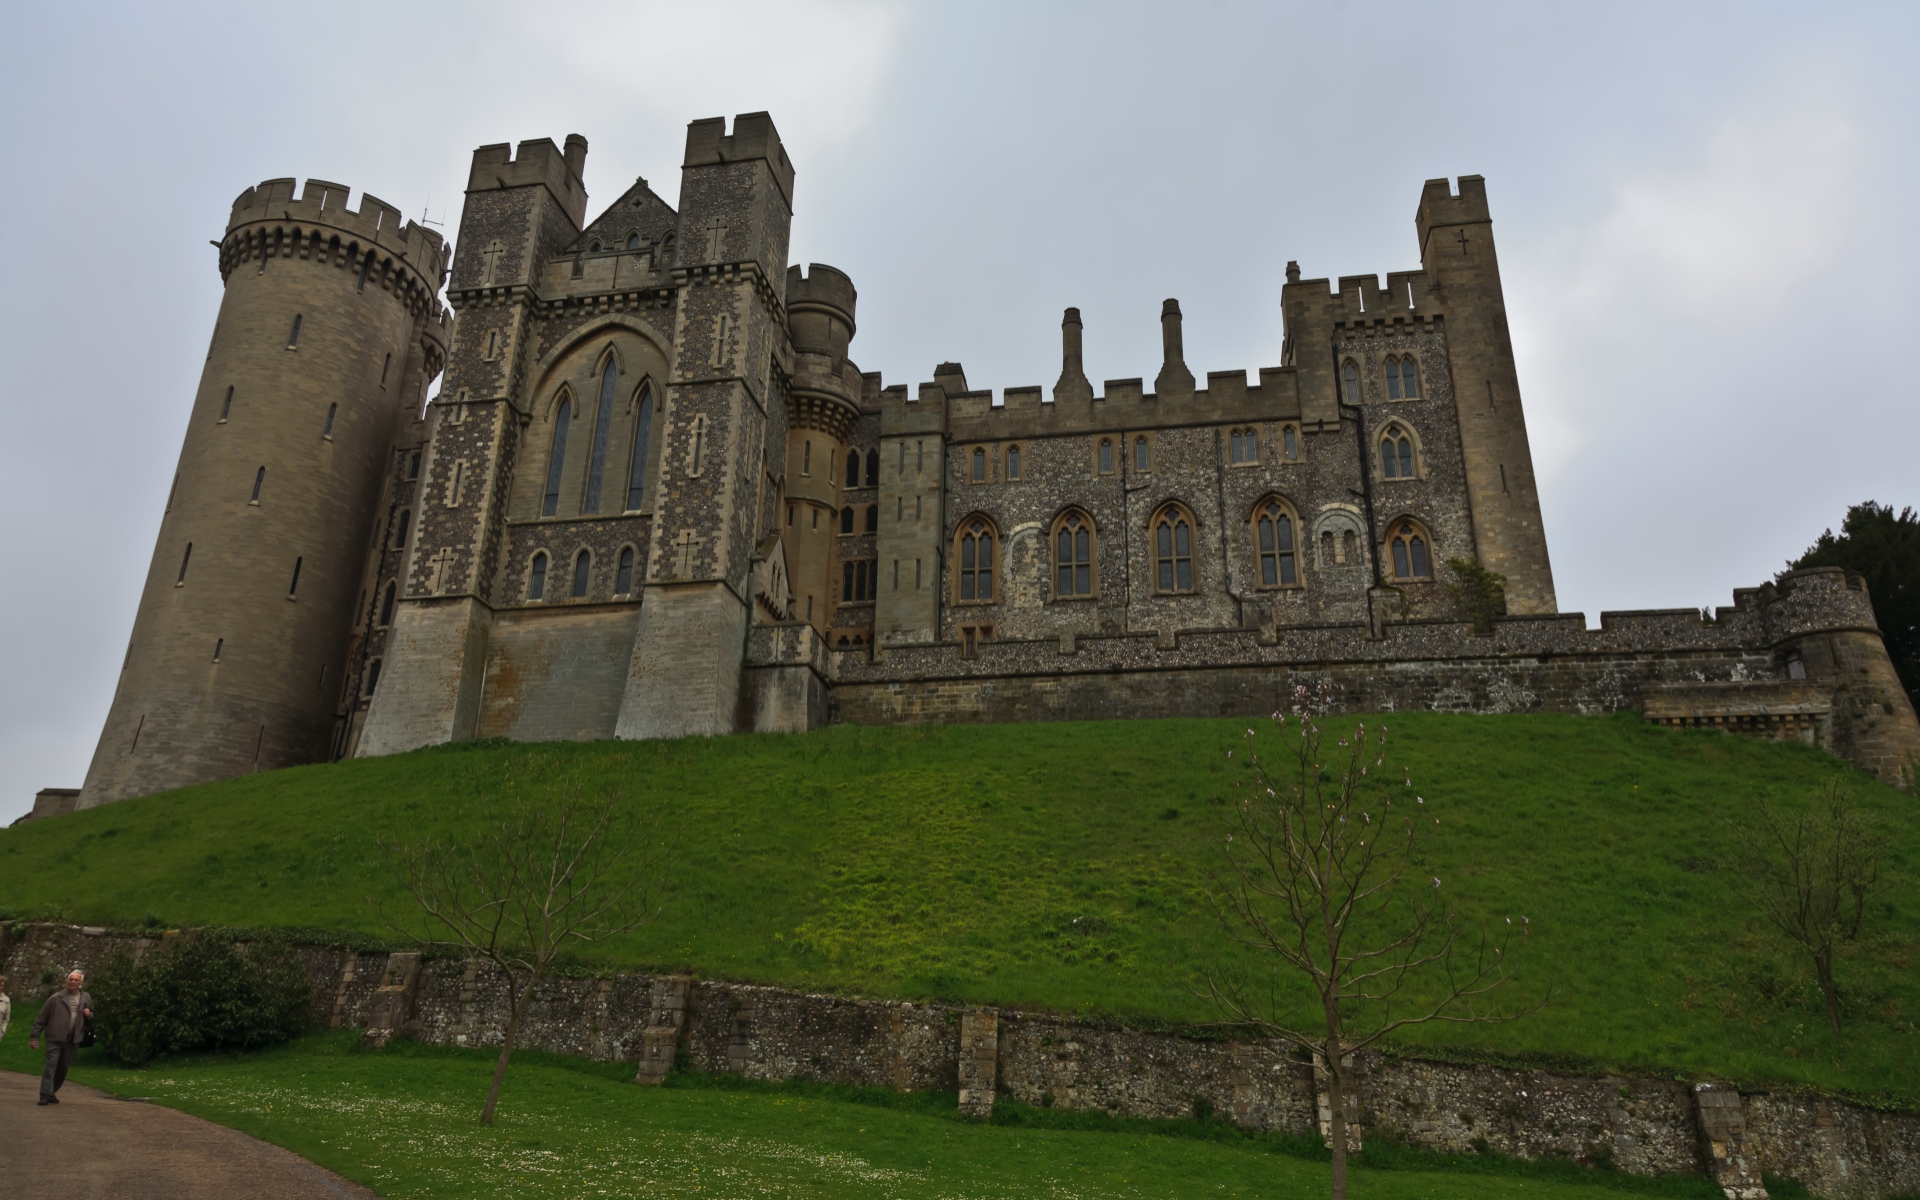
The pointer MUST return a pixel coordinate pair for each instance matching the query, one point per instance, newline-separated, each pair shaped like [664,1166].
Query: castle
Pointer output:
[654,497]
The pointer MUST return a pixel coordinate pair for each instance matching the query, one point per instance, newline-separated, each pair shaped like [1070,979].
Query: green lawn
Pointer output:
[404,1122]
[1062,866]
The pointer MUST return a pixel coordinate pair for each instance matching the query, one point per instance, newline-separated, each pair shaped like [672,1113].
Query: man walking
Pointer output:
[6,1006]
[63,1018]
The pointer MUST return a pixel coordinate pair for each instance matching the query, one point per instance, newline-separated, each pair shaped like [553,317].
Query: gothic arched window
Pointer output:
[582,566]
[1106,456]
[1013,462]
[633,241]
[1396,453]
[1073,546]
[1141,454]
[979,465]
[1350,376]
[1243,446]
[1273,528]
[846,519]
[642,434]
[557,457]
[537,577]
[976,561]
[1410,551]
[1290,442]
[1173,550]
[853,468]
[386,605]
[623,582]
[1403,379]
[873,468]
[602,429]
[873,518]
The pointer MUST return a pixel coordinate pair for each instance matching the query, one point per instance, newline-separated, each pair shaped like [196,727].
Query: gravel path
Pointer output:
[91,1144]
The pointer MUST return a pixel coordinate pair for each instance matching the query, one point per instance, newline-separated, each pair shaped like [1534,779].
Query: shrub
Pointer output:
[200,994]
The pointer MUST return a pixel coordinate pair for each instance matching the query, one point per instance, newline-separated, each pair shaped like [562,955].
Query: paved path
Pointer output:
[91,1144]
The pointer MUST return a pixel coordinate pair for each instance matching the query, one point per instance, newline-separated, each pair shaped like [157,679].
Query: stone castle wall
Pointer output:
[657,1022]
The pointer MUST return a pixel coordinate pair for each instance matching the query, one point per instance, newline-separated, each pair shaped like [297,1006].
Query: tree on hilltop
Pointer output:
[547,877]
[1322,881]
[1884,547]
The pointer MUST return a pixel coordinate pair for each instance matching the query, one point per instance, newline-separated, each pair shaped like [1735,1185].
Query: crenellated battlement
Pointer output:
[272,220]
[537,163]
[1027,412]
[376,222]
[753,136]
[1441,207]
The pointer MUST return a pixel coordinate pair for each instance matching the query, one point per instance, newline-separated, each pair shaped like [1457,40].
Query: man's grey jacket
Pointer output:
[58,1021]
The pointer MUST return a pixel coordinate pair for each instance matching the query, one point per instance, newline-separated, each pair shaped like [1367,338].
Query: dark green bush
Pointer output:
[200,994]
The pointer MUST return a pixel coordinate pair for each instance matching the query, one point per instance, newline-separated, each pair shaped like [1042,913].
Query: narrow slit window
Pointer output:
[642,435]
[293,335]
[1290,440]
[170,494]
[582,567]
[873,518]
[557,458]
[699,444]
[259,480]
[623,582]
[293,585]
[413,465]
[873,468]
[1013,462]
[401,528]
[979,465]
[1351,376]
[218,645]
[226,406]
[846,520]
[366,265]
[1106,456]
[386,606]
[806,458]
[373,676]
[537,577]
[1141,456]
[853,468]
[459,480]
[333,410]
[184,559]
[602,429]
[1393,378]
[384,368]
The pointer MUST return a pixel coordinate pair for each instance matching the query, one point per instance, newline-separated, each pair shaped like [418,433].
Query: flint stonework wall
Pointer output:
[1646,1127]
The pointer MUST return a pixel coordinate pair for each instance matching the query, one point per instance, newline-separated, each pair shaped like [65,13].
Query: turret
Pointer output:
[1073,383]
[1175,381]
[327,336]
[824,403]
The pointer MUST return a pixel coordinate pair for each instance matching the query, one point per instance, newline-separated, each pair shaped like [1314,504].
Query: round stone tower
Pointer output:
[327,337]
[825,390]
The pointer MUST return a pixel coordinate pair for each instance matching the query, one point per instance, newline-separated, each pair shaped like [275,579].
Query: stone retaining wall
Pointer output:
[1647,1127]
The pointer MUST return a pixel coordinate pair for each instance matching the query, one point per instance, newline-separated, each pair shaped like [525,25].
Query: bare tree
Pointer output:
[1322,882]
[1811,877]
[547,877]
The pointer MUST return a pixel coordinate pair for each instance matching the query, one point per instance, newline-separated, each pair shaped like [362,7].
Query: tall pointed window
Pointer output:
[1142,454]
[557,457]
[846,519]
[873,468]
[1243,446]
[1106,456]
[386,605]
[976,561]
[582,568]
[1408,544]
[1013,462]
[1290,441]
[699,445]
[1403,379]
[642,434]
[1273,542]
[873,518]
[401,527]
[1073,555]
[979,465]
[1396,453]
[1350,377]
[602,427]
[537,577]
[1173,550]
[623,581]
[853,468]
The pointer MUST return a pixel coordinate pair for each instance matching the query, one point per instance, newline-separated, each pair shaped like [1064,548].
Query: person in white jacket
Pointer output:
[6,1006]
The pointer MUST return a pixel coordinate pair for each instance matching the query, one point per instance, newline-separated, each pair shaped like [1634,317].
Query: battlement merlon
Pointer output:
[1440,208]
[753,136]
[321,202]
[904,416]
[823,289]
[537,163]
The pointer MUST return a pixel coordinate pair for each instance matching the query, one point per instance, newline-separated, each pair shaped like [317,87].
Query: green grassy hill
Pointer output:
[1063,866]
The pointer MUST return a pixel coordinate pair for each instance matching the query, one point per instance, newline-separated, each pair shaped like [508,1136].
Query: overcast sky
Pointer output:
[1705,216]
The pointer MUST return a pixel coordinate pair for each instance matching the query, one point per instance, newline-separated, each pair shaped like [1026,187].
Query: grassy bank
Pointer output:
[403,1122]
[1062,866]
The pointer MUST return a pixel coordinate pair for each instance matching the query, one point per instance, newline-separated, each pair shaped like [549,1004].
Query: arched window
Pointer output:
[386,605]
[1106,456]
[401,528]
[1408,544]
[1396,453]
[582,566]
[1403,379]
[873,518]
[602,429]
[846,520]
[623,582]
[633,241]
[1173,550]
[1290,441]
[1013,462]
[1073,545]
[873,468]
[853,468]
[537,577]
[1142,455]
[979,465]
[594,249]
[1243,446]
[1350,375]
[1273,541]
[976,561]
[642,434]
[557,457]
[259,478]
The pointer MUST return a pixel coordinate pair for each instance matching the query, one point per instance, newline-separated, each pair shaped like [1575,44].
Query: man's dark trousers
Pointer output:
[59,1058]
